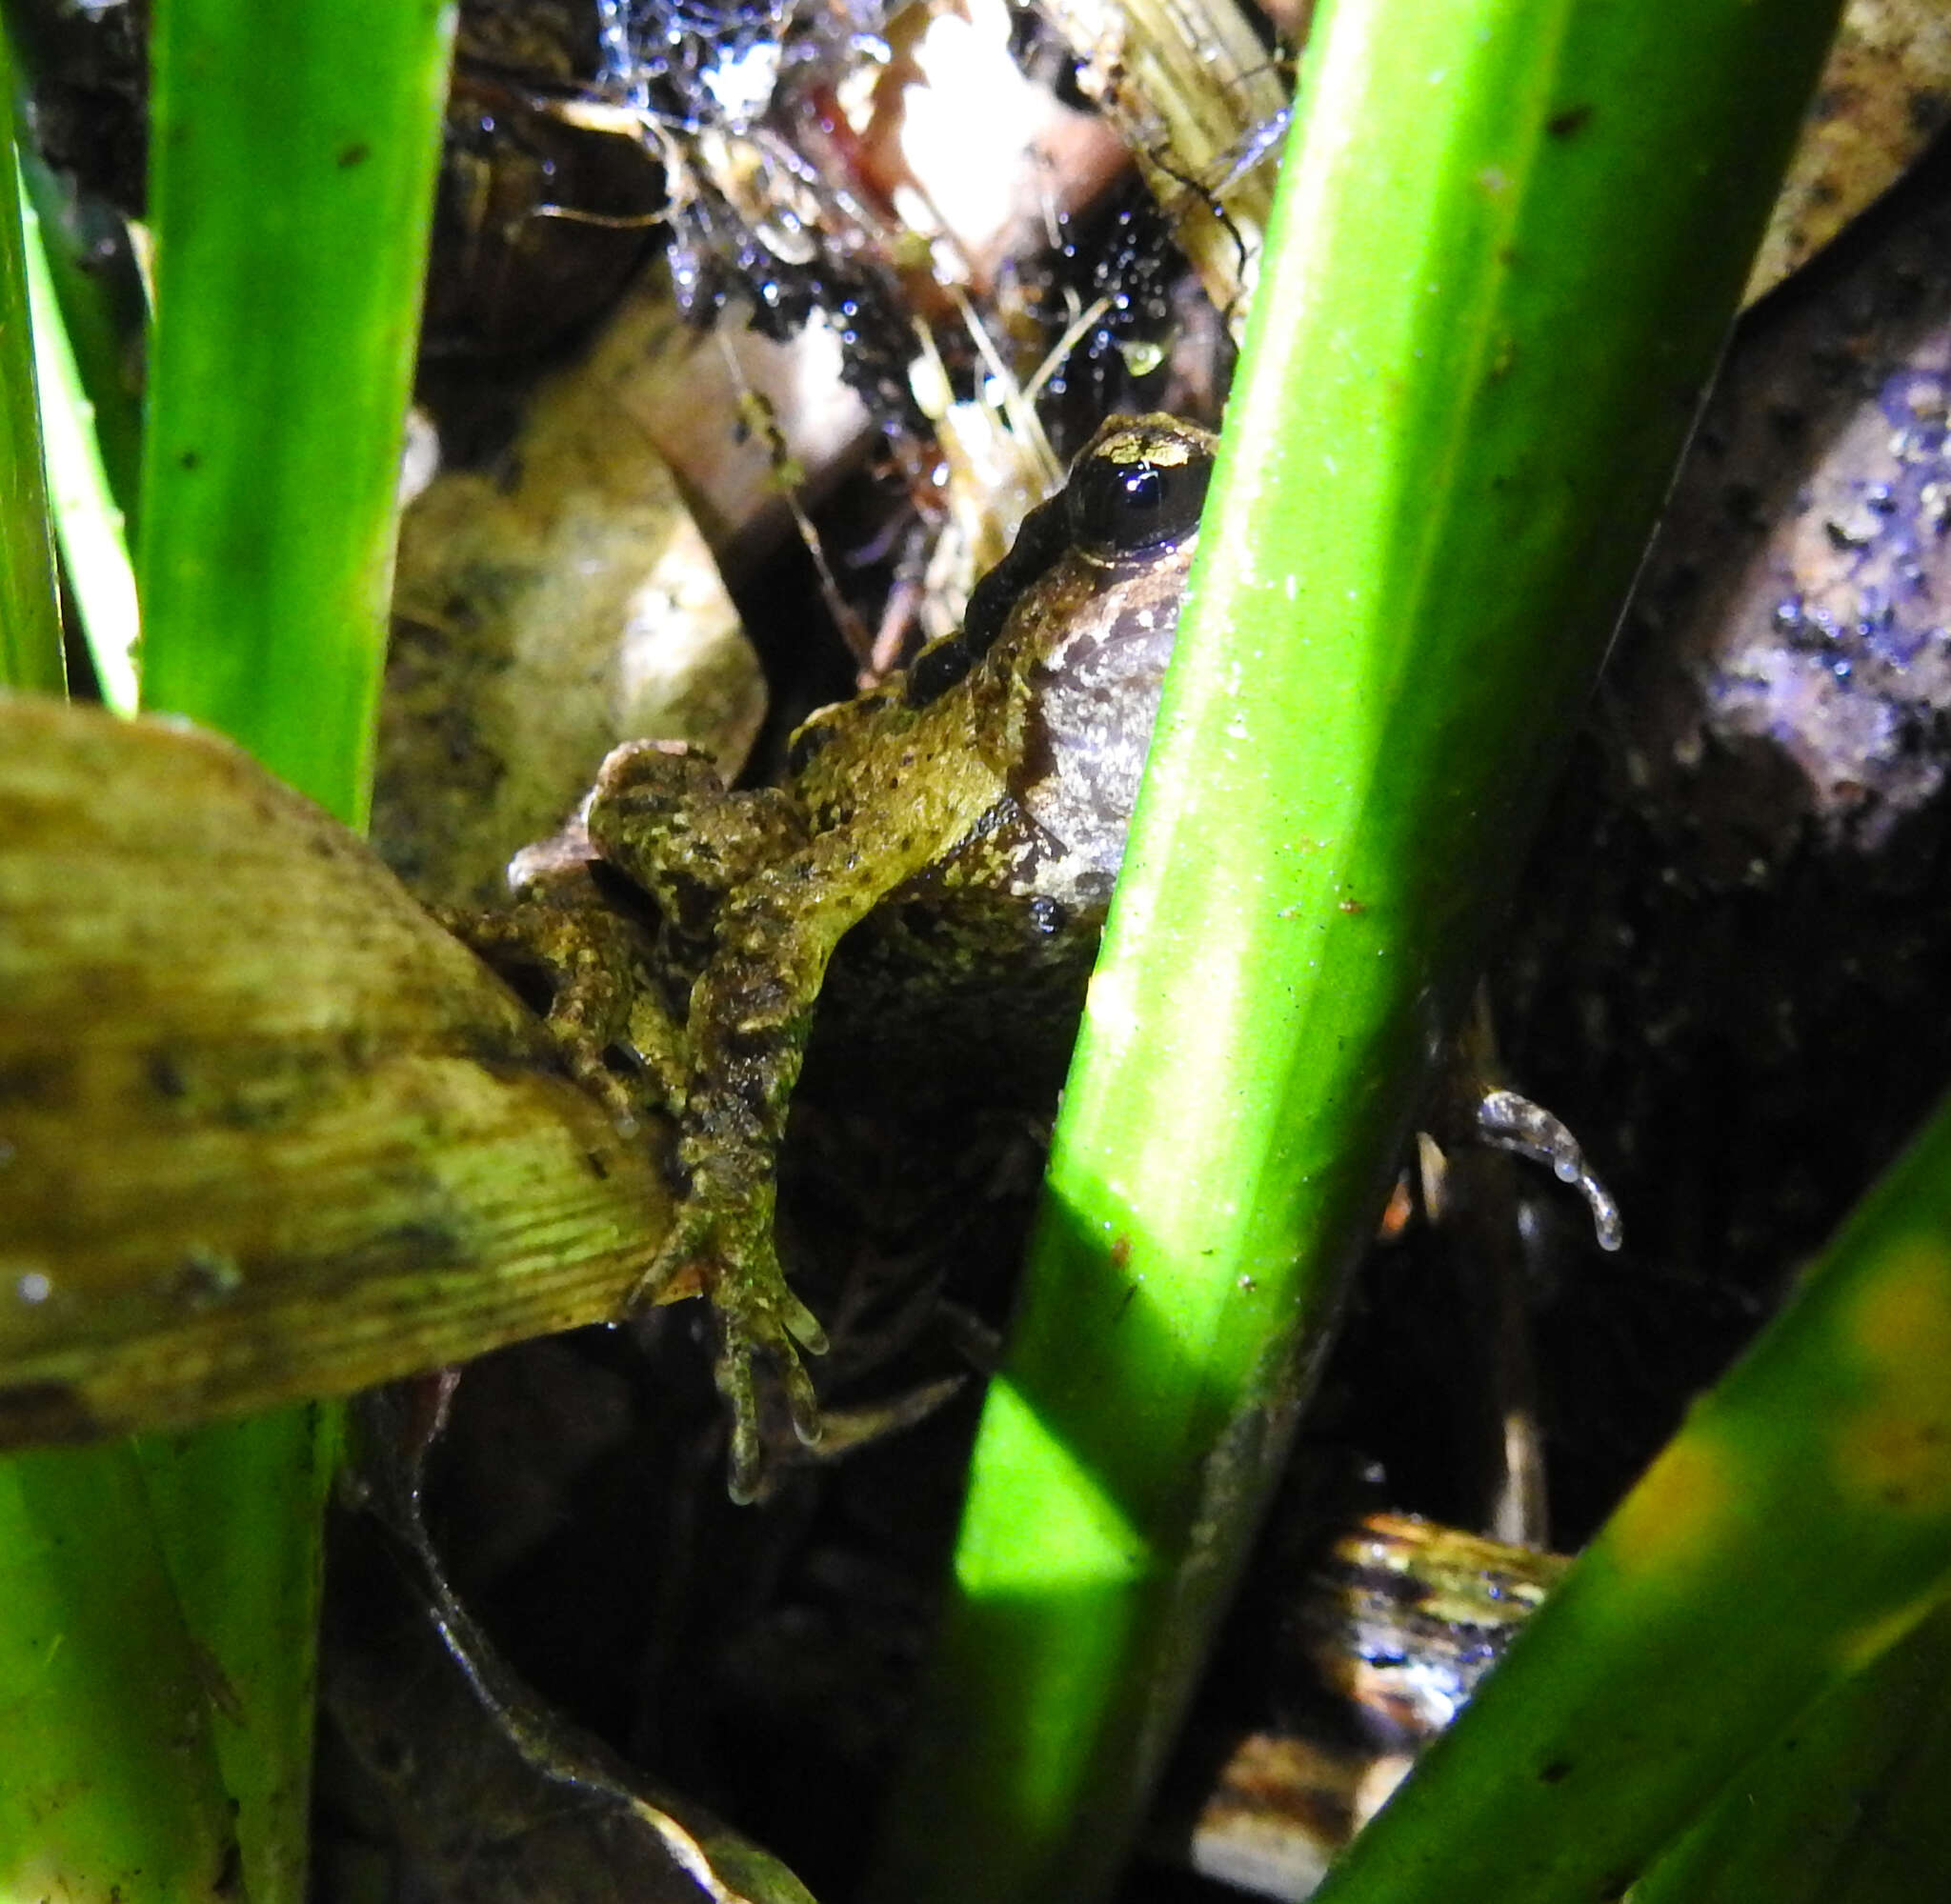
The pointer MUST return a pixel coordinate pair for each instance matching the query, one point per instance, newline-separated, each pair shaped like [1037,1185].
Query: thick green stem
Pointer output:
[30,610]
[1458,413]
[239,1508]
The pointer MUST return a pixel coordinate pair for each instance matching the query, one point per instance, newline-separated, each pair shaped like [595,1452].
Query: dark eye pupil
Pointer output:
[1127,505]
[1144,491]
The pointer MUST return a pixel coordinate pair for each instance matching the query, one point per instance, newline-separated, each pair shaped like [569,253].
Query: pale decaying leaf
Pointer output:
[541,619]
[1883,95]
[1200,102]
[1383,1638]
[265,1130]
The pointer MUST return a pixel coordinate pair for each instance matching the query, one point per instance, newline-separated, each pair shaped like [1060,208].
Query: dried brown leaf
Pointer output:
[1883,94]
[265,1130]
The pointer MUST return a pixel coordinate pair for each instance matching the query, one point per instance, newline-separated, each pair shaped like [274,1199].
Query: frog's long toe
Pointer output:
[733,1372]
[802,1325]
[747,1332]
[758,1316]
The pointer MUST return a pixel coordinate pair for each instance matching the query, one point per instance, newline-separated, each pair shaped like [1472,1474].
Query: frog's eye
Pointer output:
[1128,499]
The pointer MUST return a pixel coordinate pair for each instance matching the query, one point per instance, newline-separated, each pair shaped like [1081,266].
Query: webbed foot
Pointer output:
[726,1251]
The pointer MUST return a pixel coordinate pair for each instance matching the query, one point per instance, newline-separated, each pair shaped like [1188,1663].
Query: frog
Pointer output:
[957,828]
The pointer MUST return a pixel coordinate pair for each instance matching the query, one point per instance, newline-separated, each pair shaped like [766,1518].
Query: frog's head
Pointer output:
[1131,505]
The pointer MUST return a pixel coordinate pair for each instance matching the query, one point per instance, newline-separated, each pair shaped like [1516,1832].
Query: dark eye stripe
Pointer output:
[1043,538]
[936,669]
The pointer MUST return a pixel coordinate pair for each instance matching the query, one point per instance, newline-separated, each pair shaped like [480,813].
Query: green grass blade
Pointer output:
[108,1785]
[291,175]
[30,614]
[1797,1527]
[88,520]
[1819,1815]
[1903,1842]
[1457,416]
[271,1473]
[291,168]
[97,289]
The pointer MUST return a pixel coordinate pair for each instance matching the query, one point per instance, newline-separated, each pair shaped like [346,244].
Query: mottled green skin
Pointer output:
[969,817]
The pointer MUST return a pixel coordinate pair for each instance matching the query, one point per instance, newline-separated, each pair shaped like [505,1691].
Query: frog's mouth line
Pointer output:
[1123,567]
